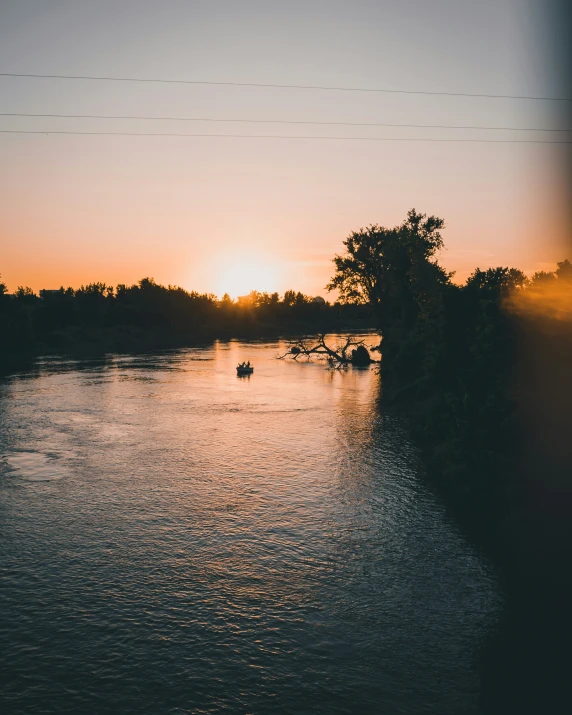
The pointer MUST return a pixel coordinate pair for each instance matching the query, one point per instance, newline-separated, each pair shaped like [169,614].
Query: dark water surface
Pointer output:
[174,539]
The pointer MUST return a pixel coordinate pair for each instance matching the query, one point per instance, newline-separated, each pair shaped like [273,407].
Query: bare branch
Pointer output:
[337,357]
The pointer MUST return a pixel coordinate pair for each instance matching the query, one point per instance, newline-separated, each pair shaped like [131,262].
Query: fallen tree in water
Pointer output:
[350,352]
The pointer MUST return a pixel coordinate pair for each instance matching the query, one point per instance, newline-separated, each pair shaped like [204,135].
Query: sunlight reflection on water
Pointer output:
[222,544]
[33,466]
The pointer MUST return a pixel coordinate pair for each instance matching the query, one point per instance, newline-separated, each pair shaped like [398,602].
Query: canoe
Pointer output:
[244,370]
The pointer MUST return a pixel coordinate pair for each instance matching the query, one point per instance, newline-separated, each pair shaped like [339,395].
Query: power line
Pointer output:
[279,121]
[282,86]
[283,136]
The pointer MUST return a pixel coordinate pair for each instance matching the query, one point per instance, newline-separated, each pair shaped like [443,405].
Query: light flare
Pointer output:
[238,275]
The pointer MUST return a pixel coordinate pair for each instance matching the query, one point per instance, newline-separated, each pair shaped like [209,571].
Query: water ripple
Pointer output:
[217,545]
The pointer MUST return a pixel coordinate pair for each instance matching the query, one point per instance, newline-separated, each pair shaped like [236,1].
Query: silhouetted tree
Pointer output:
[449,356]
[147,314]
[394,270]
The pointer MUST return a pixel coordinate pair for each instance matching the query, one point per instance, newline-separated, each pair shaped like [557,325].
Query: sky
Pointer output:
[216,214]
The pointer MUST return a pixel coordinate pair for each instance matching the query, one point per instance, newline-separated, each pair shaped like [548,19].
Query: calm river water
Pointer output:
[175,539]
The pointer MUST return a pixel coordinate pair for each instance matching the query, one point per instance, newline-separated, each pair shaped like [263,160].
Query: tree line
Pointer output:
[148,314]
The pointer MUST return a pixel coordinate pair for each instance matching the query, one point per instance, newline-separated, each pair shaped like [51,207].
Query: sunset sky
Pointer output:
[232,214]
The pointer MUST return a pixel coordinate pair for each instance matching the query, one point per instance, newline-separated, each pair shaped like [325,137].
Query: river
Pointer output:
[175,539]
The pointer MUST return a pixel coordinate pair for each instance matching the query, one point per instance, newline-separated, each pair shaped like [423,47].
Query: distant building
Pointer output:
[46,293]
[319,299]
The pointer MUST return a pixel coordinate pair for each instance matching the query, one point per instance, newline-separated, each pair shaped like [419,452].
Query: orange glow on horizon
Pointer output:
[239,274]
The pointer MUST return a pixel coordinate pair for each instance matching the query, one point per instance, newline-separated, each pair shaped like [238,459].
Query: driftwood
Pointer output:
[349,352]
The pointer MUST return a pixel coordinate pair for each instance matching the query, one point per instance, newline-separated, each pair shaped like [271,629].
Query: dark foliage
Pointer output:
[147,315]
[451,355]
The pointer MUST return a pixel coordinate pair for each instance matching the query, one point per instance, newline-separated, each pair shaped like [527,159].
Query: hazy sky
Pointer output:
[216,214]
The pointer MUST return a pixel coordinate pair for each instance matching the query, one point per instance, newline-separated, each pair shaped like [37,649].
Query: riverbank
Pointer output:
[499,457]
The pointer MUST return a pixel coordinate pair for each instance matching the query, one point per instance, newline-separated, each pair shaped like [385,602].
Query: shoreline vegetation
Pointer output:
[98,318]
[471,366]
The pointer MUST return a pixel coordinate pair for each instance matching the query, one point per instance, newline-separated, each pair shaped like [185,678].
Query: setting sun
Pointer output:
[240,274]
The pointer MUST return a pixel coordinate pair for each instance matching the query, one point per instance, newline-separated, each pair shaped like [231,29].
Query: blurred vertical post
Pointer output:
[544,372]
[530,671]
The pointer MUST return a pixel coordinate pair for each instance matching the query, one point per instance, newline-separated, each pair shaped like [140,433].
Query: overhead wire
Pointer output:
[279,121]
[325,88]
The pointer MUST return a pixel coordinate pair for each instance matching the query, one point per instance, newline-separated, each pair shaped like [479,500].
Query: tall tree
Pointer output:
[393,269]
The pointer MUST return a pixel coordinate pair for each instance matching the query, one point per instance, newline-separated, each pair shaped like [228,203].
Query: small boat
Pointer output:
[244,368]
